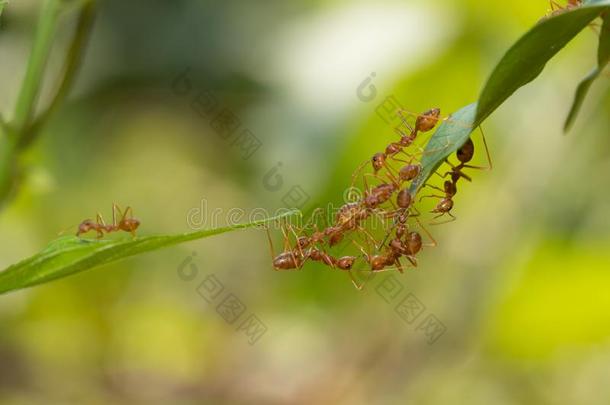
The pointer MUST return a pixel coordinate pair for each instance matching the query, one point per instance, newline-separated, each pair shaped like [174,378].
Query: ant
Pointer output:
[409,247]
[423,123]
[124,224]
[464,155]
[557,8]
[409,243]
[291,259]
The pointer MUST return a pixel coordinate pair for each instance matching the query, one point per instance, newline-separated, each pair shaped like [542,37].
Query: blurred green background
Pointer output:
[519,282]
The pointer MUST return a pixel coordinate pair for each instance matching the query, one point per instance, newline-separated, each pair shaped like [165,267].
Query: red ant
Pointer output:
[125,224]
[291,259]
[423,123]
[464,154]
[409,247]
[557,8]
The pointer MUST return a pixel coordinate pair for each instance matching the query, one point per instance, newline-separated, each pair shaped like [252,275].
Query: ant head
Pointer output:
[85,226]
[433,113]
[129,224]
[303,241]
[378,161]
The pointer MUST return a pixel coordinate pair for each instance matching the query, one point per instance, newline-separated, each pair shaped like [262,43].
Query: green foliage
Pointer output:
[68,255]
[450,135]
[521,64]
[603,57]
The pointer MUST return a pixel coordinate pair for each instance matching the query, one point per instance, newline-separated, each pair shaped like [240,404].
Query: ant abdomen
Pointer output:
[409,172]
[426,121]
[445,205]
[285,261]
[466,152]
[413,243]
[403,199]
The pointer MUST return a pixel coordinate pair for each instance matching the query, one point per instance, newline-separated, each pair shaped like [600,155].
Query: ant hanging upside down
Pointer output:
[127,224]
[464,155]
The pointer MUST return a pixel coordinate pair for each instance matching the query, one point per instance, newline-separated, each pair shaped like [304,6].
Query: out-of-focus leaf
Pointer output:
[70,254]
[526,59]
[521,64]
[2,4]
[603,57]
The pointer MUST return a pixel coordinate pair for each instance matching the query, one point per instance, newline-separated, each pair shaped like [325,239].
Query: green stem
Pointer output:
[70,70]
[32,82]
[2,4]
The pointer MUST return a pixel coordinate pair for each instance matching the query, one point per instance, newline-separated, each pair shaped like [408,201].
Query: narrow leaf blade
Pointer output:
[603,57]
[526,59]
[68,255]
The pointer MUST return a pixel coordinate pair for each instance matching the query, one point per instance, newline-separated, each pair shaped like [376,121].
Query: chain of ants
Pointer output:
[404,242]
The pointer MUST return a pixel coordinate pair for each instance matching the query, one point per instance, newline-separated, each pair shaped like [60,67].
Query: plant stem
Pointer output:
[32,82]
[70,70]
[2,4]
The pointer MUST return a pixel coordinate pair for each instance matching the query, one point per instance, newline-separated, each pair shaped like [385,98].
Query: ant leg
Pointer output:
[354,282]
[287,247]
[101,225]
[314,221]
[375,175]
[115,209]
[392,174]
[270,247]
[400,113]
[398,266]
[430,196]
[434,187]
[368,234]
[364,253]
[130,210]
[99,219]
[297,239]
[555,6]
[453,218]
[433,241]
[357,172]
[489,162]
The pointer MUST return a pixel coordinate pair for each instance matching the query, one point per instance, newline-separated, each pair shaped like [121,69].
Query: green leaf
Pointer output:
[526,59]
[603,57]
[521,64]
[68,255]
[450,135]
